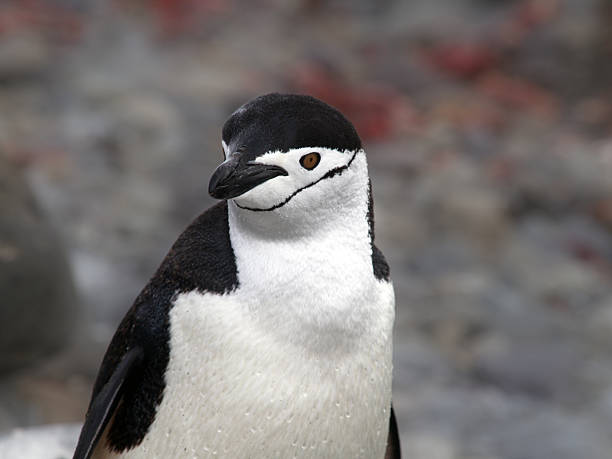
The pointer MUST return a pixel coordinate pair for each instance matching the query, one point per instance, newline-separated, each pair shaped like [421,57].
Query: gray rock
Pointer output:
[38,297]
[23,56]
[535,369]
[600,323]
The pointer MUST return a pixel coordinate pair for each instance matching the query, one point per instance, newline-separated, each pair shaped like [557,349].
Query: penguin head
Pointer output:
[284,151]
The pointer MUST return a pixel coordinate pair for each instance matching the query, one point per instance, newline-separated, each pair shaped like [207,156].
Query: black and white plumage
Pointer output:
[267,330]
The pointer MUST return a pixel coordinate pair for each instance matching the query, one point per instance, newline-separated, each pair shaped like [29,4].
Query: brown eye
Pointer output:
[310,161]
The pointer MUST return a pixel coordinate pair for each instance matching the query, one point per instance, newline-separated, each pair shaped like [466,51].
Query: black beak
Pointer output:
[233,178]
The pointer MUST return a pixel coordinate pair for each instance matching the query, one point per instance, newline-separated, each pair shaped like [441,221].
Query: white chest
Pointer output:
[236,391]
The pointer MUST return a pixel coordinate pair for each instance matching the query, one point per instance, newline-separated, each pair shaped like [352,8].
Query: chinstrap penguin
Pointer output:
[267,330]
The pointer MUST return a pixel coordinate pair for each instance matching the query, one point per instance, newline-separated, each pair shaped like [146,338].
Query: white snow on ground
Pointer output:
[45,442]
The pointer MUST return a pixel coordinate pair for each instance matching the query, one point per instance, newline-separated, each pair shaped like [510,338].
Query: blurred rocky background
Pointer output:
[488,125]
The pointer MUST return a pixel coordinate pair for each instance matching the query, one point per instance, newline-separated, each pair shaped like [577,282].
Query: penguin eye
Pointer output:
[310,161]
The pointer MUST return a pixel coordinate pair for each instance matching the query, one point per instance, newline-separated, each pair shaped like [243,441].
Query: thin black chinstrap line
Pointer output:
[329,174]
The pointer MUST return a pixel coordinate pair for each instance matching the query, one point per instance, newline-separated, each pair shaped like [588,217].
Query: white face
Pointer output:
[307,169]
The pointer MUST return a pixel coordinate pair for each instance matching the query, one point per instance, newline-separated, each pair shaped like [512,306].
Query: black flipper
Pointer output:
[103,405]
[393,442]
